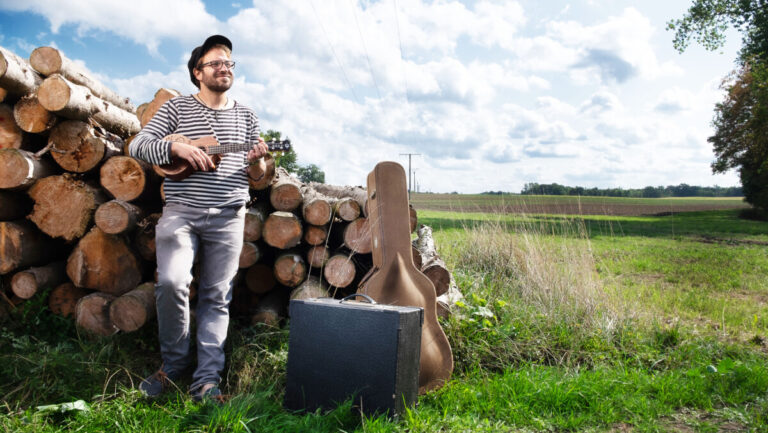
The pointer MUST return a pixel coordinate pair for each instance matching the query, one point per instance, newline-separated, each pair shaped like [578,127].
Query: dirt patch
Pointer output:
[715,240]
[612,209]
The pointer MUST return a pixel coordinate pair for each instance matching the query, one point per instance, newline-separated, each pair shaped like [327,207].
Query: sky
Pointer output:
[485,95]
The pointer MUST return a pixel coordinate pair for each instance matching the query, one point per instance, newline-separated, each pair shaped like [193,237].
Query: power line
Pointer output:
[349,83]
[370,68]
[402,62]
[409,171]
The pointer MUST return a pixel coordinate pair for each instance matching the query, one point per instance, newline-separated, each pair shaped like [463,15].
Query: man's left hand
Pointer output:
[257,151]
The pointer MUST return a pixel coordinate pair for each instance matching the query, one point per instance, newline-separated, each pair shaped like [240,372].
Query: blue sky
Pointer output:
[491,94]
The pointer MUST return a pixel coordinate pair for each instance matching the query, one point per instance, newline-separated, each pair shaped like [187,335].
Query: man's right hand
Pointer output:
[196,157]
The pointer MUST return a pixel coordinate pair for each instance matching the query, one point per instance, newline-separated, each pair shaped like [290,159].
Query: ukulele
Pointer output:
[180,169]
[394,279]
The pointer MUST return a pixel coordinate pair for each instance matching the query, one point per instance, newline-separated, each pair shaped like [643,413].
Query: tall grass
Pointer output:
[533,294]
[547,267]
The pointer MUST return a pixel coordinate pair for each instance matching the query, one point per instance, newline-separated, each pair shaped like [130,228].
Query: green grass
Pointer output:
[569,323]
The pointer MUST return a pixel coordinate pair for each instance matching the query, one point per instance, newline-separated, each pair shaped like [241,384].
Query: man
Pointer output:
[203,215]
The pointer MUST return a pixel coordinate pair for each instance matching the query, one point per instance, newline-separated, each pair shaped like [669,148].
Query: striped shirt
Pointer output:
[228,184]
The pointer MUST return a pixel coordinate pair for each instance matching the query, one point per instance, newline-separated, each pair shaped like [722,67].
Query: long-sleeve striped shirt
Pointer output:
[223,187]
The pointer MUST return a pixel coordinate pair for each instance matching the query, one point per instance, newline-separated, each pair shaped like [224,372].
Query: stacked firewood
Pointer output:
[77,214]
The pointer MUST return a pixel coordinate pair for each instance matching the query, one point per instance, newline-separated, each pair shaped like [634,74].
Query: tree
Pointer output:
[311,173]
[740,140]
[287,160]
[741,132]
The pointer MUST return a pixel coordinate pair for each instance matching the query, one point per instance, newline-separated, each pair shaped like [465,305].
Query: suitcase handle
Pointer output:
[370,300]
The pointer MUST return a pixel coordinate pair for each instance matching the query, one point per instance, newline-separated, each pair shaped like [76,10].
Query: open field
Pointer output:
[571,205]
[599,323]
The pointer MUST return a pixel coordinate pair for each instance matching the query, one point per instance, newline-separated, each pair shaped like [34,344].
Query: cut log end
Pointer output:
[260,278]
[282,230]
[339,271]
[92,314]
[134,309]
[290,269]
[64,206]
[46,60]
[31,116]
[54,93]
[116,216]
[63,299]
[24,285]
[11,135]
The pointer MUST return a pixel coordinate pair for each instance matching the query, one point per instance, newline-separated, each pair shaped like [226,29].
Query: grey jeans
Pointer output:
[216,236]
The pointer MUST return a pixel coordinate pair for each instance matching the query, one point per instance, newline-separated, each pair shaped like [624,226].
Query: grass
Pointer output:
[568,323]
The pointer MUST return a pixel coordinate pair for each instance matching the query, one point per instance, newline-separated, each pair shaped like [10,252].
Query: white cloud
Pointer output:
[146,22]
[475,86]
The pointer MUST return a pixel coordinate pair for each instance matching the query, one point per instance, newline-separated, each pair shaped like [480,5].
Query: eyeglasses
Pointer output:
[217,64]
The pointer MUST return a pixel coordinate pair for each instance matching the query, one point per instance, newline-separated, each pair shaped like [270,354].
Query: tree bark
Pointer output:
[79,147]
[282,230]
[64,297]
[162,96]
[49,61]
[417,261]
[117,216]
[129,179]
[356,193]
[290,269]
[260,278]
[249,255]
[32,117]
[315,235]
[134,309]
[316,208]
[285,194]
[27,283]
[73,101]
[22,245]
[317,256]
[92,314]
[103,262]
[64,206]
[20,169]
[16,75]
[255,218]
[14,205]
[432,265]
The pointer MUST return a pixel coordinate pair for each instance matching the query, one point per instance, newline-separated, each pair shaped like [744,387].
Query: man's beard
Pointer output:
[212,82]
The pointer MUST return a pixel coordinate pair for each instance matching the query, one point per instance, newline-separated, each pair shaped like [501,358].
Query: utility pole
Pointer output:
[415,184]
[409,172]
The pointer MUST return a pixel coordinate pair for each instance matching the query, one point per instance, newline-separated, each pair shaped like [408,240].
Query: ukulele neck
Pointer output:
[227,148]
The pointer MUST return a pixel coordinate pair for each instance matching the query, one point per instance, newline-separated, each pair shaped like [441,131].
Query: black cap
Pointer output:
[200,51]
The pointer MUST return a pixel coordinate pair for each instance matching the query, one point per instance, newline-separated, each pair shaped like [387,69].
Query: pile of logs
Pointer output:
[77,215]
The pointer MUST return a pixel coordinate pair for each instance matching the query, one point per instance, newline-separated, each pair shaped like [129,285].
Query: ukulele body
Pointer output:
[179,169]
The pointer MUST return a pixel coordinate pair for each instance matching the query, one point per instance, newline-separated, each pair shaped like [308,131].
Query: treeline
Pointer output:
[682,190]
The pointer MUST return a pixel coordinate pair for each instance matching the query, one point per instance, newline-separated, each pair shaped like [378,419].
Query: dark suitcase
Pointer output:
[339,350]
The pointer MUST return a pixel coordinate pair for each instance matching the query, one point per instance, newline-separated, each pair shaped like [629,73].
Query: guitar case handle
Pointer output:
[370,300]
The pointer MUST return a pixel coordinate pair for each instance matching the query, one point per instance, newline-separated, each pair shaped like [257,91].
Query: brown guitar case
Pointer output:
[394,279]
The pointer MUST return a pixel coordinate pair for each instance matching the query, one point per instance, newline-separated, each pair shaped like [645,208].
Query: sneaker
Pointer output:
[207,392]
[157,383]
